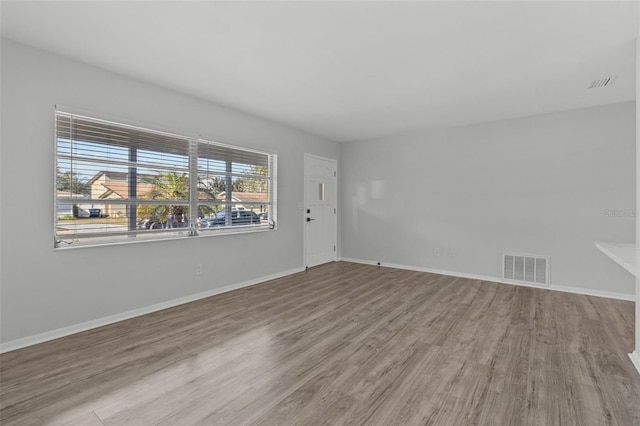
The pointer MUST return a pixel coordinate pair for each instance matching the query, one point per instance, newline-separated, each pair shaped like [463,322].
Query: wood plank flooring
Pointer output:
[341,344]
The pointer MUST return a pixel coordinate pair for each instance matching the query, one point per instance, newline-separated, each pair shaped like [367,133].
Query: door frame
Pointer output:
[308,156]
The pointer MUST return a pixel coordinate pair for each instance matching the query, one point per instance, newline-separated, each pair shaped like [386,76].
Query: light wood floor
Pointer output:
[341,344]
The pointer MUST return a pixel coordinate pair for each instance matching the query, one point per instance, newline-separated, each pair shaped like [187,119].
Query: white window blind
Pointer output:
[120,183]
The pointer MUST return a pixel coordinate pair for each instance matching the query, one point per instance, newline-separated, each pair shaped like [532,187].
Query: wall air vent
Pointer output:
[602,82]
[528,269]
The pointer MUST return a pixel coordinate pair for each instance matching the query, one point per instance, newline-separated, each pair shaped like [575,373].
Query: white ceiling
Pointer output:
[353,70]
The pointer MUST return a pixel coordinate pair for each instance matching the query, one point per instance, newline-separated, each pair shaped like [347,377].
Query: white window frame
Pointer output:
[63,238]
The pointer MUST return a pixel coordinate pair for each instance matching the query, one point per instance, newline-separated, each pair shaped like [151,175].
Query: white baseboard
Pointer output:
[77,328]
[566,289]
[635,359]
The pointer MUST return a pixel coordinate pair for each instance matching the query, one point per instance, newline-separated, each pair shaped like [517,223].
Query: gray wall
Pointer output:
[44,289]
[537,185]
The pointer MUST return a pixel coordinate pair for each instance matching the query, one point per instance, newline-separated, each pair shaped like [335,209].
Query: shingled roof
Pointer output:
[121,189]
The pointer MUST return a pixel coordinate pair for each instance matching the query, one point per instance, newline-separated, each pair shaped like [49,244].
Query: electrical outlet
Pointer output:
[436,251]
[198,268]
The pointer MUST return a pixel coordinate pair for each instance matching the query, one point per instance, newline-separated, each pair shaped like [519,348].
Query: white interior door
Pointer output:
[320,210]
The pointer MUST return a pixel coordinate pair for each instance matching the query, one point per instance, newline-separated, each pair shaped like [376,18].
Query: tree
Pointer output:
[69,181]
[170,186]
[252,184]
[212,185]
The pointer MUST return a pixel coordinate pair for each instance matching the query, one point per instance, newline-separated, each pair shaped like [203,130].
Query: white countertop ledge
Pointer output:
[626,255]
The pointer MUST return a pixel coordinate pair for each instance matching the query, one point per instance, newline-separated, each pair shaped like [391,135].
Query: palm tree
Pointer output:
[170,186]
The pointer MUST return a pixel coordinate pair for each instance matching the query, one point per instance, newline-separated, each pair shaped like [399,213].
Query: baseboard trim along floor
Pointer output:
[77,328]
[566,289]
[88,325]
[342,343]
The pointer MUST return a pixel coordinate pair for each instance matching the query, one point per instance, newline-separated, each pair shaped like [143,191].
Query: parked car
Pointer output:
[150,224]
[97,213]
[264,216]
[238,217]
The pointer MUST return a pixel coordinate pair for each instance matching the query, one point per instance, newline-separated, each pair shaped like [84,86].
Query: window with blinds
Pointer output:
[120,183]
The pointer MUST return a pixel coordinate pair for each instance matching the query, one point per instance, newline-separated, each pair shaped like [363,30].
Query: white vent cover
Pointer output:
[602,82]
[525,268]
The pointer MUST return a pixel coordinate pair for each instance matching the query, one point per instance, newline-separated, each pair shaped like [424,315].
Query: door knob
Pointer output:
[309,219]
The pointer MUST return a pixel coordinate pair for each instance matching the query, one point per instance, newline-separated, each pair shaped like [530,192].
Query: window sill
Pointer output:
[185,236]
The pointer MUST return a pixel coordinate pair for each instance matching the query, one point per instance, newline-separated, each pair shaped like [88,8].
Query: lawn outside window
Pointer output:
[117,183]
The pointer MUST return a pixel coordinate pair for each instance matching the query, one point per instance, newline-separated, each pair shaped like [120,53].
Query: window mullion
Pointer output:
[272,190]
[228,196]
[193,187]
[132,183]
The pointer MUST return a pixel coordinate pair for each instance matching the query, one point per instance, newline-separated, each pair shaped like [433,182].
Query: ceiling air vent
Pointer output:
[528,269]
[602,82]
